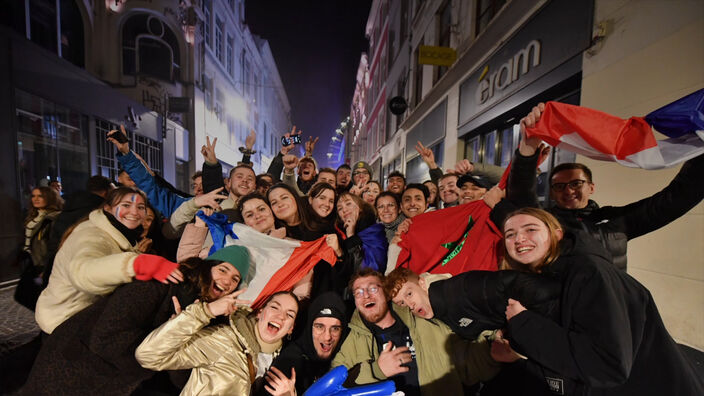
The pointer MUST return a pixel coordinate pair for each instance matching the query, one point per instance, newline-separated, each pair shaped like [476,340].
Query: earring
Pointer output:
[288,337]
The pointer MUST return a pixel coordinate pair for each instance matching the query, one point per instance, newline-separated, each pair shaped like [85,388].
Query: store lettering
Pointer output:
[508,72]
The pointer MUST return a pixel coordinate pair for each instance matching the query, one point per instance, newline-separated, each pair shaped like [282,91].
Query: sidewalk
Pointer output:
[17,325]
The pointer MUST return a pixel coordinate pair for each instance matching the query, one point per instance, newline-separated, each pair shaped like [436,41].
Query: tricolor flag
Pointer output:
[630,142]
[276,264]
[452,240]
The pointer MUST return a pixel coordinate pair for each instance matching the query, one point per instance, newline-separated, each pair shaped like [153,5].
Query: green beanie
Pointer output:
[237,256]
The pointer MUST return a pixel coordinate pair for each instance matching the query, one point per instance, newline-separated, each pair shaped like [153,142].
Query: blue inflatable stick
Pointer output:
[331,385]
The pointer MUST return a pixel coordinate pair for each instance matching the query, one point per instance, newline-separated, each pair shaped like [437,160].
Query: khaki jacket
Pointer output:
[223,357]
[444,359]
[92,262]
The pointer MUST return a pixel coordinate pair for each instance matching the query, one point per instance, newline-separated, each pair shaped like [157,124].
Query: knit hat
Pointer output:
[362,164]
[327,305]
[237,256]
[474,179]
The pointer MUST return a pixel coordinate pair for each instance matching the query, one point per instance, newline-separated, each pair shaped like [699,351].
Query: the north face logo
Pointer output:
[326,311]
[556,385]
[464,322]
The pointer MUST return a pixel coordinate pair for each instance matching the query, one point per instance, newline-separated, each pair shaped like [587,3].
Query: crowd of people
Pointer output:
[135,293]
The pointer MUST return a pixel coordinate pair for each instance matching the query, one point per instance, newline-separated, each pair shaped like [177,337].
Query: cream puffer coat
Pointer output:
[223,357]
[92,262]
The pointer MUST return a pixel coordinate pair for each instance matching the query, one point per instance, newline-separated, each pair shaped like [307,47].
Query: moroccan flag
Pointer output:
[276,264]
[452,240]
[630,142]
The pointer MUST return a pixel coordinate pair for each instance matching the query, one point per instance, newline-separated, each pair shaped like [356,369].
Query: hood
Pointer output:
[328,304]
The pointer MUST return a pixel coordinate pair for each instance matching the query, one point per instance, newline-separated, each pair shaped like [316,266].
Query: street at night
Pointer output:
[388,197]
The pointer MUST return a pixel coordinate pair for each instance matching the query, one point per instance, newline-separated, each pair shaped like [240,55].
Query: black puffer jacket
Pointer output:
[475,301]
[609,339]
[614,226]
[94,349]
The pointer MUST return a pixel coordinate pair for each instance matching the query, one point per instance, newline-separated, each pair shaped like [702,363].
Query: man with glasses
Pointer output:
[422,357]
[571,186]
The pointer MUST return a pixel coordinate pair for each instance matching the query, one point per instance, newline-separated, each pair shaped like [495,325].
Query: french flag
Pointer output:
[630,142]
[276,264]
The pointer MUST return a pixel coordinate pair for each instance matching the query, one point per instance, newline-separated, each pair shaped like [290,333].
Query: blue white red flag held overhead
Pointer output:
[630,142]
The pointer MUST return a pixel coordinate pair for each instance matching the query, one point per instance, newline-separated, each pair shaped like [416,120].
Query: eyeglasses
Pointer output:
[387,206]
[573,185]
[319,328]
[372,290]
[361,172]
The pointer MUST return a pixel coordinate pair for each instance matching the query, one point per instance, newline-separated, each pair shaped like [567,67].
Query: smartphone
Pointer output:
[119,136]
[295,139]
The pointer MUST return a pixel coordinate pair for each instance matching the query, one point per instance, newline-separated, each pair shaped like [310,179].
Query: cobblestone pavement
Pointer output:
[17,325]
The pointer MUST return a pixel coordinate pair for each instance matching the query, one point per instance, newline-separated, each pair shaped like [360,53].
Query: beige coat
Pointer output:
[223,358]
[92,262]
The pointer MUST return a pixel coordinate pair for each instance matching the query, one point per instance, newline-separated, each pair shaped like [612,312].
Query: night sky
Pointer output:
[317,45]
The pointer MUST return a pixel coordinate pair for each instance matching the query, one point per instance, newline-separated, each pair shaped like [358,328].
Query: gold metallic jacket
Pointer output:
[223,357]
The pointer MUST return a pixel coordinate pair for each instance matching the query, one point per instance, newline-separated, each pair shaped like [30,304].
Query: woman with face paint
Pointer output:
[94,349]
[226,359]
[609,338]
[99,254]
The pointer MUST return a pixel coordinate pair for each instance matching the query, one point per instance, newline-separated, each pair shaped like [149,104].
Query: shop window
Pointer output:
[473,150]
[150,48]
[390,167]
[183,180]
[52,143]
[490,148]
[416,169]
[486,11]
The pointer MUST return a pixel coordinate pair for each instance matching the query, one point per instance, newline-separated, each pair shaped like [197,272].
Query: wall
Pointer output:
[653,55]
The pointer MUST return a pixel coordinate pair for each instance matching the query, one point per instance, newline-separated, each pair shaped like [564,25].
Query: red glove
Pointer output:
[150,266]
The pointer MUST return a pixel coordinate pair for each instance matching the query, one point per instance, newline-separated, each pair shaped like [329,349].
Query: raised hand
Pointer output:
[124,148]
[210,199]
[391,361]
[250,139]
[290,162]
[463,167]
[280,385]
[310,146]
[286,149]
[208,151]
[358,189]
[527,146]
[493,196]
[350,223]
[208,212]
[227,304]
[427,155]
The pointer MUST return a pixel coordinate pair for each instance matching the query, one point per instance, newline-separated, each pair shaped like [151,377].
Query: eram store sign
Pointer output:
[509,72]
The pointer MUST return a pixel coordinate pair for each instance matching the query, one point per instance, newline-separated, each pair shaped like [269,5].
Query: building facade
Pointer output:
[173,72]
[622,57]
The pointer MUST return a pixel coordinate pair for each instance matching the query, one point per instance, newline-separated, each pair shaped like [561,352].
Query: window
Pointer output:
[218,40]
[231,56]
[444,18]
[219,104]
[486,11]
[418,80]
[207,11]
[243,57]
[417,171]
[245,77]
[150,48]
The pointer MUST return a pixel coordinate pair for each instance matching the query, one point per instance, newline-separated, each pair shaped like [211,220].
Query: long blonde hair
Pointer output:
[554,231]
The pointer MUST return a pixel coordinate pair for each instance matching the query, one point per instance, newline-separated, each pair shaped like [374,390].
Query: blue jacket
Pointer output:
[160,197]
